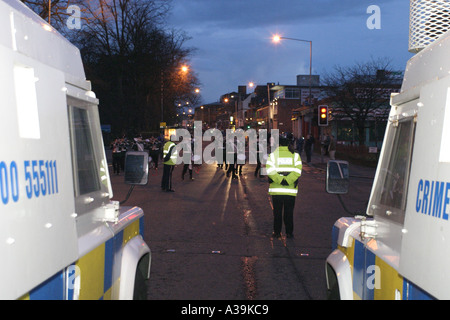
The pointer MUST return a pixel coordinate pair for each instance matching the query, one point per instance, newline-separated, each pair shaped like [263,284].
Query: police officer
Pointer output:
[284,167]
[170,159]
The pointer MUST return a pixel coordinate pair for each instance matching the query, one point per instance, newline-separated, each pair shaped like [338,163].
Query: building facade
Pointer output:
[294,109]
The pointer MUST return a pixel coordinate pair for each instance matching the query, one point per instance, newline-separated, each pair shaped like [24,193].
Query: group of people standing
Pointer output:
[170,155]
[283,168]
[154,149]
[307,145]
[119,149]
[328,145]
[232,159]
[120,146]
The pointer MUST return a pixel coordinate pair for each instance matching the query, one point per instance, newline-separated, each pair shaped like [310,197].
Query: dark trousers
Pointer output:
[287,203]
[308,155]
[232,169]
[166,182]
[185,169]
[116,162]
[258,169]
[155,157]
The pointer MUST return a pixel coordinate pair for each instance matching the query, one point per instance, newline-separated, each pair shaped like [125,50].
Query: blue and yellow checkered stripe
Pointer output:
[96,268]
[390,281]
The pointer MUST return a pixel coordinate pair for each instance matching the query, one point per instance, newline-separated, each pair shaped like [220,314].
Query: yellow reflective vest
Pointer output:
[283,169]
[170,147]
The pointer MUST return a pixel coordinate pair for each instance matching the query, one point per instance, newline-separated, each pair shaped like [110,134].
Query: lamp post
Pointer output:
[184,69]
[277,39]
[49,11]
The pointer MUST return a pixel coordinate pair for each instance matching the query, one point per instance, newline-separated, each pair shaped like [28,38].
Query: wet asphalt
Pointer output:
[211,239]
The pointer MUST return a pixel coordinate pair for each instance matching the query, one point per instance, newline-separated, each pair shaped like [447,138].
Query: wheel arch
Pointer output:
[339,276]
[135,268]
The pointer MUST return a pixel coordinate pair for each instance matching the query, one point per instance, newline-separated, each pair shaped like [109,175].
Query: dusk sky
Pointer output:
[234,47]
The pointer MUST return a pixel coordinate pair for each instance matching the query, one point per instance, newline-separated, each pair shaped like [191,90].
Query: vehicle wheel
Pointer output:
[140,279]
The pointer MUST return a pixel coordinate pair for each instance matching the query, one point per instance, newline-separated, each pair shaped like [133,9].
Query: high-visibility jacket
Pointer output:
[170,148]
[283,169]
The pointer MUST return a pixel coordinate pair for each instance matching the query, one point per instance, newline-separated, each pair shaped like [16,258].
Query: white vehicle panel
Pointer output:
[36,177]
[426,245]
[35,162]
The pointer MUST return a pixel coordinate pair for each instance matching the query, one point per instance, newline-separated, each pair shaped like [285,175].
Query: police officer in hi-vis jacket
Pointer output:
[284,167]
[170,159]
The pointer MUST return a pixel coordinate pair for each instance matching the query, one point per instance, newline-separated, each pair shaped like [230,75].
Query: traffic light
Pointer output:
[323,115]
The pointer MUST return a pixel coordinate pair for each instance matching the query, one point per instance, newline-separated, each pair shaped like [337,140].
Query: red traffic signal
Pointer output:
[323,115]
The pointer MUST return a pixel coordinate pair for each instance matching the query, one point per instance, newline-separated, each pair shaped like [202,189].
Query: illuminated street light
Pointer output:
[184,69]
[277,39]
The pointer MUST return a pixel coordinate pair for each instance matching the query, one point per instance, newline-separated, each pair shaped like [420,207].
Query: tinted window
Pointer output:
[85,166]
[390,194]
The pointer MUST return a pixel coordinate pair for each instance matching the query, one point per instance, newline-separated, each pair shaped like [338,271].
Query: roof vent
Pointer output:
[428,20]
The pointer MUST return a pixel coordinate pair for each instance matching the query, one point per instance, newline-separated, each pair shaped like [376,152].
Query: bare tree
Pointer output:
[361,91]
[131,57]
[56,12]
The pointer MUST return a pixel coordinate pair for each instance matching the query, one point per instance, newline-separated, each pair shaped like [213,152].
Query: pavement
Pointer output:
[356,170]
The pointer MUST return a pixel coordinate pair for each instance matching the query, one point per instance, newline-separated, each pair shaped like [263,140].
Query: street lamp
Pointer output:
[277,39]
[184,69]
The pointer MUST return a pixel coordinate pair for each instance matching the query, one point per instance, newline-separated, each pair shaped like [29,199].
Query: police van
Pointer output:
[401,248]
[61,237]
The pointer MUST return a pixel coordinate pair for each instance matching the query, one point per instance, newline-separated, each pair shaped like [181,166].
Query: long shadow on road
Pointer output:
[211,238]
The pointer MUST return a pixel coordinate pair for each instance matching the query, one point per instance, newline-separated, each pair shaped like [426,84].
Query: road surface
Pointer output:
[211,239]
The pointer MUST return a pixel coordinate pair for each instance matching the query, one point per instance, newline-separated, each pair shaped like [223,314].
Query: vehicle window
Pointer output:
[389,198]
[84,155]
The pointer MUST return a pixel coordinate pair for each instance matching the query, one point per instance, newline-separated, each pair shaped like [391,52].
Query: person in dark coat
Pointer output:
[308,148]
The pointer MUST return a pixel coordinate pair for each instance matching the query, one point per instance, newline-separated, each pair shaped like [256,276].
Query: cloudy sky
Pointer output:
[234,47]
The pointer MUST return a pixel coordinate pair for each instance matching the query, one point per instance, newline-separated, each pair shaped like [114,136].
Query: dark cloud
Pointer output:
[237,14]
[234,47]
